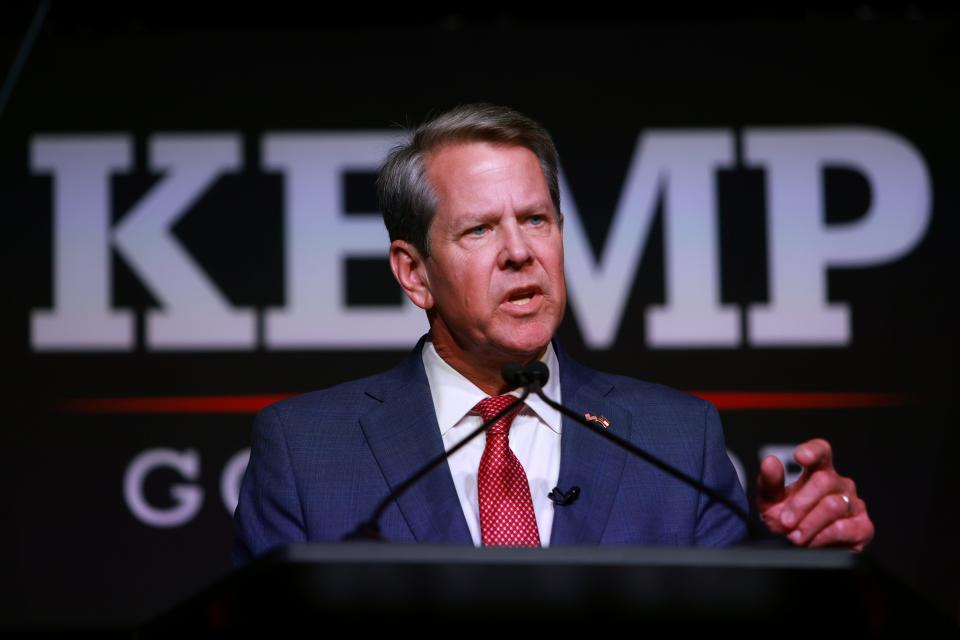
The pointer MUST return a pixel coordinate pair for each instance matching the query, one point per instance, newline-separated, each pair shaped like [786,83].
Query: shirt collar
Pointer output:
[454,396]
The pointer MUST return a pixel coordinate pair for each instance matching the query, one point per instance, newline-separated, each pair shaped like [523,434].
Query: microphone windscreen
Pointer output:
[512,374]
[537,371]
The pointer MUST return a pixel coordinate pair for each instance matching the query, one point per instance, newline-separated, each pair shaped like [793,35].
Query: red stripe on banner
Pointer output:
[724,400]
[172,404]
[747,400]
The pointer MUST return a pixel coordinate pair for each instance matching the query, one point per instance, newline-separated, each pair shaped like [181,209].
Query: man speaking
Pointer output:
[472,206]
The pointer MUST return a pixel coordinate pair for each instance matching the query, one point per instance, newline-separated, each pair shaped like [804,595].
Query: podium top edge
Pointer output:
[733,557]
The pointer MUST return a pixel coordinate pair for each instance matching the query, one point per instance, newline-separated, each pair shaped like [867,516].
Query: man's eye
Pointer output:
[536,220]
[478,230]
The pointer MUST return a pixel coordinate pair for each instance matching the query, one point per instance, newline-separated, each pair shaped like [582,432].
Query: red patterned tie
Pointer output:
[506,509]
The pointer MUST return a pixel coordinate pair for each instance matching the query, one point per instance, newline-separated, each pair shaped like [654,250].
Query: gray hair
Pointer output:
[407,199]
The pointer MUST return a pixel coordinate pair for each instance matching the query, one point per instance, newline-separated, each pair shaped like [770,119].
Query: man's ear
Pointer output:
[409,269]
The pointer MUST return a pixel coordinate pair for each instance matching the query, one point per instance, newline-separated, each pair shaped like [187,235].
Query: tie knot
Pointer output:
[489,407]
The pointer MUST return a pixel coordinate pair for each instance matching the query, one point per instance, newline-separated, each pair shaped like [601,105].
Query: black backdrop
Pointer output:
[75,552]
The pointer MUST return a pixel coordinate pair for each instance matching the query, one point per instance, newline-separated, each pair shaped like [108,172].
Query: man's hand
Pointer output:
[820,509]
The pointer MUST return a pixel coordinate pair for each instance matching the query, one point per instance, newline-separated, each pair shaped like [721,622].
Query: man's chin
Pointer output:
[526,350]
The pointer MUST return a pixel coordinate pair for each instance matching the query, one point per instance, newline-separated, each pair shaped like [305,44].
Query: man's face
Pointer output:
[495,273]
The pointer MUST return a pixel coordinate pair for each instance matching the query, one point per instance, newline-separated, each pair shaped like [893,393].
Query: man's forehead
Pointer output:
[470,172]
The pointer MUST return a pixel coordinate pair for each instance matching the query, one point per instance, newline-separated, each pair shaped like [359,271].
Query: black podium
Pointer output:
[442,589]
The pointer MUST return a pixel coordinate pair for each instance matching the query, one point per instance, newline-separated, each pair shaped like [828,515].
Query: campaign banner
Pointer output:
[759,213]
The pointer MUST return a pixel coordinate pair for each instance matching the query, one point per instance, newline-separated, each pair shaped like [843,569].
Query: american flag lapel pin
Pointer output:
[600,420]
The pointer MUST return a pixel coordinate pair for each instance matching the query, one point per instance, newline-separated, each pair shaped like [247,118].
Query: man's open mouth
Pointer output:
[522,297]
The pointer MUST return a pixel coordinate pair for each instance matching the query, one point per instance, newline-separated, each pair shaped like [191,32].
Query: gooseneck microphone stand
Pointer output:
[533,376]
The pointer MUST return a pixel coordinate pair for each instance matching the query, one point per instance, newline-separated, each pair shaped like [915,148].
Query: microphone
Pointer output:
[562,498]
[512,374]
[518,375]
[534,375]
[537,373]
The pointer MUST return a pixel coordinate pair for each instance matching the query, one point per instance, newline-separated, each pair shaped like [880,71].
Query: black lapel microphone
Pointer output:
[562,498]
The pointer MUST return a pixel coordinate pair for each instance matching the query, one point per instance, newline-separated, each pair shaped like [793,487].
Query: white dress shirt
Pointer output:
[534,437]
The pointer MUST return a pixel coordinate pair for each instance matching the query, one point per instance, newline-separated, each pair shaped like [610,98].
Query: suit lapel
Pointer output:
[403,435]
[587,460]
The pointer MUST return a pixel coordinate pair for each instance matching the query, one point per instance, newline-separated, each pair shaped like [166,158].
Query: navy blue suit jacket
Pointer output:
[321,462]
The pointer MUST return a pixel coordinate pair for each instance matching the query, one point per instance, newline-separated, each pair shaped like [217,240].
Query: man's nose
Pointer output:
[515,251]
